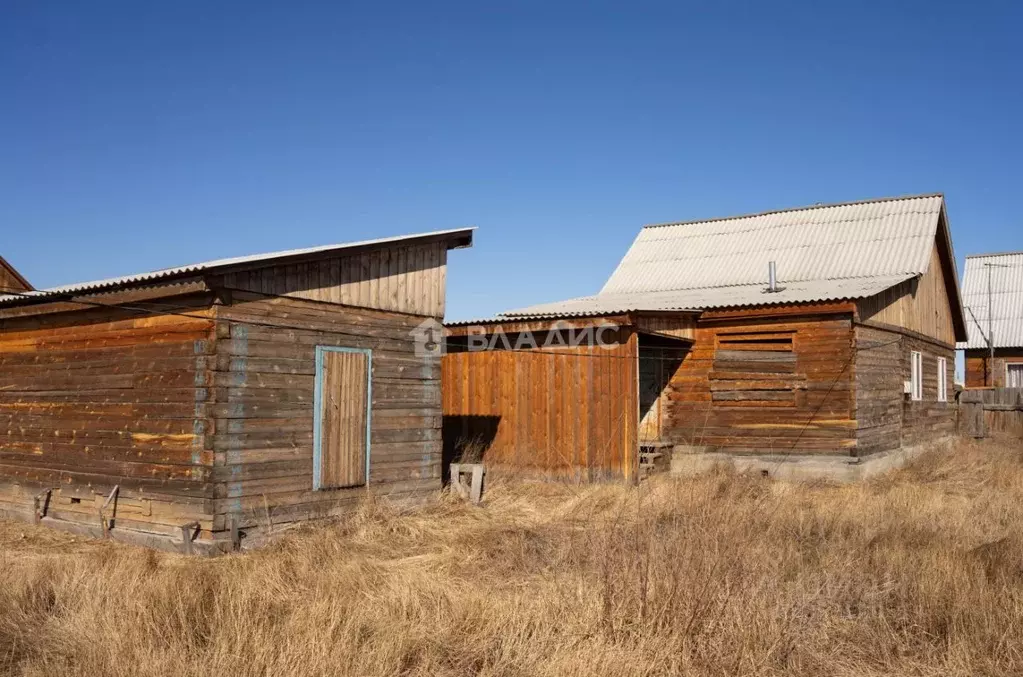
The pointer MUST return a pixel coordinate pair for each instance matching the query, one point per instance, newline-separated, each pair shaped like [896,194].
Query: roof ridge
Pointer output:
[984,256]
[898,198]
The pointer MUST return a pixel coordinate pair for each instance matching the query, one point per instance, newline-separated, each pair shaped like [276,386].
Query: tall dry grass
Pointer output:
[916,573]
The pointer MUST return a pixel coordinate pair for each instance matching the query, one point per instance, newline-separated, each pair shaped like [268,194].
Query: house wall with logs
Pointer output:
[982,371]
[205,413]
[777,383]
[99,398]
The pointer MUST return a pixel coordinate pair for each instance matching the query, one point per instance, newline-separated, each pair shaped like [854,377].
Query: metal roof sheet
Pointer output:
[719,297]
[217,264]
[1006,299]
[879,239]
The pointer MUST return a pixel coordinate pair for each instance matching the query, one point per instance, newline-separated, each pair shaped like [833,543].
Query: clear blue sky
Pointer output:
[140,135]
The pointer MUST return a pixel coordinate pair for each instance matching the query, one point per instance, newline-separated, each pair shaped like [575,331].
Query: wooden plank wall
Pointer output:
[344,406]
[681,326]
[786,399]
[920,305]
[977,375]
[103,397]
[264,387]
[569,411]
[991,412]
[9,281]
[402,279]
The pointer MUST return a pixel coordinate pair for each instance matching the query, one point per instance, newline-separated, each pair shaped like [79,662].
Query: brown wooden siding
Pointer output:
[11,280]
[920,305]
[766,385]
[977,366]
[675,326]
[265,382]
[98,398]
[562,410]
[401,279]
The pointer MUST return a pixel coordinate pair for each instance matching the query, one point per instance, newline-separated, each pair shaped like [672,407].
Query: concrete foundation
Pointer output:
[689,460]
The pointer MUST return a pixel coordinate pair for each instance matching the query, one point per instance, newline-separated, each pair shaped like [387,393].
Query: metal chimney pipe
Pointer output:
[772,277]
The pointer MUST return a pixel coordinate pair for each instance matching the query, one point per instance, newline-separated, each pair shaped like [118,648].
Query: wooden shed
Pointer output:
[841,355]
[195,406]
[993,294]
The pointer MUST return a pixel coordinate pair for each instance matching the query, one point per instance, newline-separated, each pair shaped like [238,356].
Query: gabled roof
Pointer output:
[1006,299]
[882,238]
[454,238]
[14,274]
[842,251]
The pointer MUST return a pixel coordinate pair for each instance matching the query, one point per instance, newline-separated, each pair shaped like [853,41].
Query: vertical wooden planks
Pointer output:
[344,408]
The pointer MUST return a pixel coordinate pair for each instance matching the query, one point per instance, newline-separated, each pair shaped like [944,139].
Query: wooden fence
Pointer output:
[991,411]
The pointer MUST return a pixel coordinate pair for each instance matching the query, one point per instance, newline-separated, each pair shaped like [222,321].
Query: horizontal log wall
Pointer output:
[928,419]
[879,390]
[402,279]
[766,385]
[978,371]
[564,410]
[264,388]
[99,398]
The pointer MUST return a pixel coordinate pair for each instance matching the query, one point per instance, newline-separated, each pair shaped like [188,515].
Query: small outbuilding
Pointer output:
[194,406]
[818,339]
[993,294]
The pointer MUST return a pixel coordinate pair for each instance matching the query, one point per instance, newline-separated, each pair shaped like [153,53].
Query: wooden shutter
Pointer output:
[344,418]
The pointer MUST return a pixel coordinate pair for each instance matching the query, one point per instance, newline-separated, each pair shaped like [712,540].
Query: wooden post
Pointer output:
[187,534]
[40,504]
[236,537]
[102,517]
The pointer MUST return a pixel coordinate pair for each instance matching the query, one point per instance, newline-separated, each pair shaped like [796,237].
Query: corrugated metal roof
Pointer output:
[884,238]
[217,264]
[1006,299]
[719,297]
[833,252]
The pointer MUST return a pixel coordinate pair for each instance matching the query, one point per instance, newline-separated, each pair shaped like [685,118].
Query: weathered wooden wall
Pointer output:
[879,390]
[928,419]
[562,410]
[977,366]
[407,279]
[264,388]
[920,305]
[99,398]
[991,412]
[778,383]
[887,418]
[10,279]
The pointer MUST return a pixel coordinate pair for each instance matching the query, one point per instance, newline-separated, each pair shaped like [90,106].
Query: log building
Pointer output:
[189,407]
[993,294]
[820,338]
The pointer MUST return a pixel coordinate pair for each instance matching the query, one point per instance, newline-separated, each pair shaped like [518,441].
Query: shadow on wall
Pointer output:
[467,439]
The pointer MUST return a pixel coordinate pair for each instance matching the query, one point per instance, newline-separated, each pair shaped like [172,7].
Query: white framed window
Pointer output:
[942,379]
[916,373]
[1014,375]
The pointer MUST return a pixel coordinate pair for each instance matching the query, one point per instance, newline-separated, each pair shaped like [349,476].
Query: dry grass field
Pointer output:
[916,573]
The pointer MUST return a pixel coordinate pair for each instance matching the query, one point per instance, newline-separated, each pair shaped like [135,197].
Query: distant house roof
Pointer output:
[9,271]
[455,238]
[823,252]
[1006,299]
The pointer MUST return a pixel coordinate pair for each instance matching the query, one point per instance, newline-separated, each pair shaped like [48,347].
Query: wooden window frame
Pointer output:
[318,412]
[916,375]
[1010,364]
[942,379]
